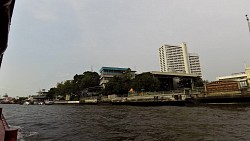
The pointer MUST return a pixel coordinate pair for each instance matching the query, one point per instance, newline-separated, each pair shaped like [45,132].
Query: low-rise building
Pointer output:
[222,86]
[243,77]
[170,80]
[40,97]
[108,72]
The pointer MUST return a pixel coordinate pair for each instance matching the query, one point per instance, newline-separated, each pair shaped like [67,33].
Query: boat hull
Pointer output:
[6,133]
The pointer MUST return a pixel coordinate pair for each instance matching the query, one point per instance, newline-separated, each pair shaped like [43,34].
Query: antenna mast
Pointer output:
[248,23]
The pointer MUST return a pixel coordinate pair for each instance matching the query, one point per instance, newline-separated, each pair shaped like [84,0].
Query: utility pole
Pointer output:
[248,23]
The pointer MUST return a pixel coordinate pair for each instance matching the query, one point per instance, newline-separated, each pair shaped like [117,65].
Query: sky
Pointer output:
[52,40]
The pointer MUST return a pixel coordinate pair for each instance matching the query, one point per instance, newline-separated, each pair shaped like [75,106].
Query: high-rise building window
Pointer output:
[178,59]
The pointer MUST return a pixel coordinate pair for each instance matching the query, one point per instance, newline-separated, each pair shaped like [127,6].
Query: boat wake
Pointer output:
[25,135]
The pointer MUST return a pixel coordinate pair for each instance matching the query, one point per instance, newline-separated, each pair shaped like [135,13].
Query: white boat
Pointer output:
[26,103]
[41,103]
[48,102]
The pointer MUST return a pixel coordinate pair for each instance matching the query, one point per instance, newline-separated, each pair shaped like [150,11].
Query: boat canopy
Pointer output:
[6,10]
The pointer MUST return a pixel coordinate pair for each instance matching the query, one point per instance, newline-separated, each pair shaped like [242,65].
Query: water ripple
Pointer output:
[129,123]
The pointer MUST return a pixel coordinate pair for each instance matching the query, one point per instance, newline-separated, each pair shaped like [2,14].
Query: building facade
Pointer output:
[177,59]
[108,72]
[171,80]
[243,77]
[194,60]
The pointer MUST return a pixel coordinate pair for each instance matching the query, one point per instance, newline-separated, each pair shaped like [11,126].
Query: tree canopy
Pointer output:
[122,84]
[146,82]
[119,84]
[75,86]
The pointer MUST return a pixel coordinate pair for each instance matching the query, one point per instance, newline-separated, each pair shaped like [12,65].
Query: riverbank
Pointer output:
[161,99]
[223,97]
[177,99]
[174,99]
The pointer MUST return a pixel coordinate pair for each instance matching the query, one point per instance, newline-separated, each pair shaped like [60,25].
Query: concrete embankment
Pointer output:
[223,97]
[173,99]
[66,102]
[142,100]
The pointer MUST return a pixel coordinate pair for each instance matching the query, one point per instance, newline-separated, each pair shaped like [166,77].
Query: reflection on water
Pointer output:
[91,122]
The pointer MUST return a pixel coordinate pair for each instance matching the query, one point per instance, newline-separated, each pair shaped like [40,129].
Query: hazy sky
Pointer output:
[52,40]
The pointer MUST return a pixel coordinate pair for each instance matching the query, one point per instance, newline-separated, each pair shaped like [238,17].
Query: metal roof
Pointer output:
[113,69]
[174,74]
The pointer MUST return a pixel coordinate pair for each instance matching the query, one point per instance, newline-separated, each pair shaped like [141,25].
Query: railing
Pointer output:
[4,122]
[10,134]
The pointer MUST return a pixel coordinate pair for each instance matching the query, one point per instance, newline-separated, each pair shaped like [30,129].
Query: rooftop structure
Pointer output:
[174,74]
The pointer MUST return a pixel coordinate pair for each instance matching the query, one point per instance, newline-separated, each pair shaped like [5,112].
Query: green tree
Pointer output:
[60,89]
[198,82]
[75,86]
[68,87]
[146,82]
[51,93]
[89,79]
[119,85]
[76,83]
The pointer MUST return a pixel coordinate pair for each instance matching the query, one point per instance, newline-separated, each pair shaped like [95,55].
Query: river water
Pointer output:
[129,123]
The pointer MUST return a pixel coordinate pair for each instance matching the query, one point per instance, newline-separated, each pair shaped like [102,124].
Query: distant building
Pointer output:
[108,72]
[41,96]
[223,86]
[243,77]
[234,77]
[177,59]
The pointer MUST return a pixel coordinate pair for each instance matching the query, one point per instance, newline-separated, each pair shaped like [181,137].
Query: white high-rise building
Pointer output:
[177,59]
[174,58]
[194,60]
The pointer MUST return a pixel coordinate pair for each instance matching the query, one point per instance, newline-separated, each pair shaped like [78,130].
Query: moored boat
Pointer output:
[48,102]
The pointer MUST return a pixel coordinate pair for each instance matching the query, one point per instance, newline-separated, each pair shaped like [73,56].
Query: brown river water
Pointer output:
[129,123]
